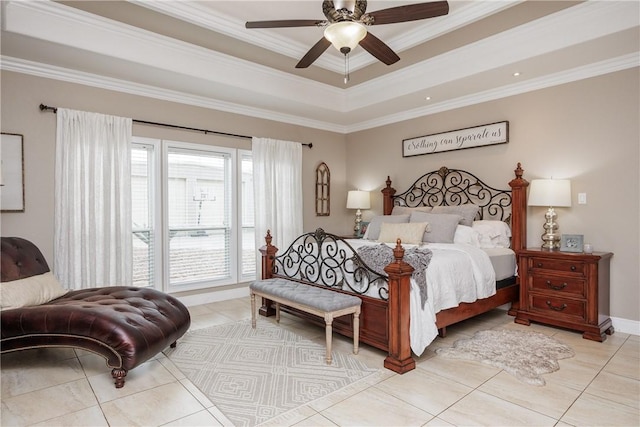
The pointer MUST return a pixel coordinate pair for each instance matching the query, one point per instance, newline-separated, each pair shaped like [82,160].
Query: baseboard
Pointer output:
[626,326]
[213,296]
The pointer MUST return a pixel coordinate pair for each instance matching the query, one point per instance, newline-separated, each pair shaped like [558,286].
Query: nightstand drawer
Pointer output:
[558,265]
[562,285]
[555,307]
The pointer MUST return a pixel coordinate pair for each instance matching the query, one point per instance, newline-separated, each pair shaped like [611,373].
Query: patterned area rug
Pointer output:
[525,355]
[253,375]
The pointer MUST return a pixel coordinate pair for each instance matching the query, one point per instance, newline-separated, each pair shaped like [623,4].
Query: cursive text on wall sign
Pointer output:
[477,136]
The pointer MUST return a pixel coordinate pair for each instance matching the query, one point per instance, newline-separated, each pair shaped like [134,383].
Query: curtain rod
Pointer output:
[144,122]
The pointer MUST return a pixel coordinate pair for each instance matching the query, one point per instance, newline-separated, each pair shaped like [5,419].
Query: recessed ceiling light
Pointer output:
[428,98]
[516,74]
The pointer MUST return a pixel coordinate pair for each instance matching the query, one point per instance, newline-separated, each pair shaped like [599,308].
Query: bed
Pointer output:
[392,318]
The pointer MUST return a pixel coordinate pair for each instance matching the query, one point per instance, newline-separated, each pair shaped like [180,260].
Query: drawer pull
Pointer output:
[556,287]
[539,265]
[553,307]
[573,268]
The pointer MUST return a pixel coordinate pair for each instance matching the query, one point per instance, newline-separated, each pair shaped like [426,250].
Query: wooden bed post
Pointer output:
[518,222]
[399,359]
[268,252]
[387,197]
[518,210]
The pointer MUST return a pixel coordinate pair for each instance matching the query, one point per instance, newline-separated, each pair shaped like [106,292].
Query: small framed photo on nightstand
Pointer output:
[572,243]
[362,230]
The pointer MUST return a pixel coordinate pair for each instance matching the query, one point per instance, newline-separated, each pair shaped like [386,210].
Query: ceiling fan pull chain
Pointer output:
[346,68]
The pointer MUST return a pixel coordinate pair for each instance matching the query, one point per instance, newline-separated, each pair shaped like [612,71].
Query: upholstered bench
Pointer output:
[311,299]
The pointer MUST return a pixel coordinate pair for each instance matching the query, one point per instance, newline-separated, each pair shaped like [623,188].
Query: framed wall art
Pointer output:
[477,136]
[572,243]
[323,190]
[11,173]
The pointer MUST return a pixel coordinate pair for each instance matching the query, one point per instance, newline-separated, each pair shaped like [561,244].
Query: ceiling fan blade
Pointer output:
[411,12]
[285,23]
[379,49]
[314,53]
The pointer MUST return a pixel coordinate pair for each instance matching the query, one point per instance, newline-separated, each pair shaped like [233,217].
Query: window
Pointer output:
[200,233]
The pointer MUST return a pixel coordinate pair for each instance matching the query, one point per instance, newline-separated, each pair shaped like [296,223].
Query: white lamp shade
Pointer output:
[345,34]
[550,192]
[358,200]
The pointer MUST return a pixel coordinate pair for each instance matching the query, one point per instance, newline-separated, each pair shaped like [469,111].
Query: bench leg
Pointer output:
[328,318]
[277,312]
[356,330]
[253,310]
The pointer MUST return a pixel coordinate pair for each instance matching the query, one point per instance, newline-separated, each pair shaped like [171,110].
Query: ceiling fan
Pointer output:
[345,27]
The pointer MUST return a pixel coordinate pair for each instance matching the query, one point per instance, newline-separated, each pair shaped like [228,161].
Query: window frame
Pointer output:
[155,205]
[159,192]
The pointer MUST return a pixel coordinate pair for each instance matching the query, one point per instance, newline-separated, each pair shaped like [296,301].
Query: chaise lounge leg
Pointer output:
[174,344]
[118,375]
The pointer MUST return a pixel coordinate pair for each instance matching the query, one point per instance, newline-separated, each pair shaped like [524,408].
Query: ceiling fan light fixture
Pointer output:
[345,35]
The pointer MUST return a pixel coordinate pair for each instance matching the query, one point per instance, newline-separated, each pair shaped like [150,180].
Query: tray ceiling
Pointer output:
[200,53]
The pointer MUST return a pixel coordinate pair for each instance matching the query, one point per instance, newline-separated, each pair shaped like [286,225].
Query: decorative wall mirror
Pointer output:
[323,185]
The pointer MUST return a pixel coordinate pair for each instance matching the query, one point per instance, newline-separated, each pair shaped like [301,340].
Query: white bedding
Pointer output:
[453,266]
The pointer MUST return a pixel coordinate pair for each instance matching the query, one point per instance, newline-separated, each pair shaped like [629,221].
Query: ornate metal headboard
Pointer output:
[453,187]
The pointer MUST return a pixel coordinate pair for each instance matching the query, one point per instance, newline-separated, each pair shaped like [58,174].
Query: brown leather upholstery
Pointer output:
[126,325]
[20,259]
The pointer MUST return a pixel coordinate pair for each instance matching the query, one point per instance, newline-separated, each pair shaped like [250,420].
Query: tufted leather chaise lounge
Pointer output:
[124,324]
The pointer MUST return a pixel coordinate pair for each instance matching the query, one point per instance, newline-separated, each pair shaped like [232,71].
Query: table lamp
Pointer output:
[357,199]
[551,193]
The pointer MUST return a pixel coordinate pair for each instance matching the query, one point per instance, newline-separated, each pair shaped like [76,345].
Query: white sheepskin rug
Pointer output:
[525,355]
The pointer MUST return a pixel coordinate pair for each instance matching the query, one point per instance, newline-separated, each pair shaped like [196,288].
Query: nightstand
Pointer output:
[569,290]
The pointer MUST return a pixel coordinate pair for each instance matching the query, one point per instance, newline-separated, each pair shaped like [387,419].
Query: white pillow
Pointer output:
[34,290]
[467,235]
[493,234]
[409,233]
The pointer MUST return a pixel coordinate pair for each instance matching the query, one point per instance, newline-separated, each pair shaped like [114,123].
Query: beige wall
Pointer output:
[22,94]
[587,131]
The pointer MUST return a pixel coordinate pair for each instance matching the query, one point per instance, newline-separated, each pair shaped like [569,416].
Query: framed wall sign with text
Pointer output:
[477,136]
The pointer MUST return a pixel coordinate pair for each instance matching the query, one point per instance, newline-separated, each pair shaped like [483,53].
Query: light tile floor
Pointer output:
[599,386]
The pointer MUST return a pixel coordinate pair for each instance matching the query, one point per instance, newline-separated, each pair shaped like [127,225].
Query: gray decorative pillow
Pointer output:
[442,227]
[468,212]
[404,210]
[373,230]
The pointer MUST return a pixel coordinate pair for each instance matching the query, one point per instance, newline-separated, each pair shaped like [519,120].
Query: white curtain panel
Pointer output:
[92,200]
[277,189]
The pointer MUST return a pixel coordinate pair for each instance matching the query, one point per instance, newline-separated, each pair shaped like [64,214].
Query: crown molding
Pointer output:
[566,28]
[197,14]
[579,73]
[93,80]
[57,23]
[87,79]
[291,97]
